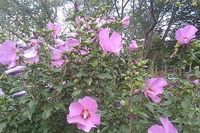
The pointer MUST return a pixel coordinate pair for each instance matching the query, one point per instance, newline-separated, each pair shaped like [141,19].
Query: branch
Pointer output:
[146,44]
[123,7]
[115,4]
[122,12]
[170,22]
[152,11]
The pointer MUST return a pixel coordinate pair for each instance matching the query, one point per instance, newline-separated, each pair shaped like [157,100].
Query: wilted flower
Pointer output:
[111,19]
[59,43]
[56,28]
[125,21]
[111,44]
[76,8]
[121,103]
[20,93]
[34,42]
[133,46]
[186,34]
[167,127]
[56,57]
[31,55]
[80,20]
[83,114]
[60,48]
[102,21]
[68,45]
[84,51]
[196,81]
[15,70]
[8,54]
[71,43]
[154,87]
[1,92]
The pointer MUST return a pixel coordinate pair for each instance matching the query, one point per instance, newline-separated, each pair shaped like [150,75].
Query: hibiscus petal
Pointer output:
[89,103]
[75,109]
[156,129]
[190,31]
[126,21]
[168,126]
[116,39]
[104,39]
[157,82]
[76,119]
[72,42]
[30,53]
[87,127]
[7,53]
[57,63]
[156,99]
[96,119]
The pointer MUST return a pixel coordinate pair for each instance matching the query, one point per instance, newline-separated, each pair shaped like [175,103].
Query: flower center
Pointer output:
[185,39]
[150,91]
[85,114]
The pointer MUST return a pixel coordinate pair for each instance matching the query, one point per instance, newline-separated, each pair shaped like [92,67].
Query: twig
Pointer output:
[115,4]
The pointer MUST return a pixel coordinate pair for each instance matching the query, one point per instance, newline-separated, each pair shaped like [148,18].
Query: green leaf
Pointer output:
[186,103]
[150,107]
[32,105]
[59,106]
[59,88]
[105,76]
[47,112]
[94,62]
[76,93]
[197,74]
[27,114]
[124,129]
[2,126]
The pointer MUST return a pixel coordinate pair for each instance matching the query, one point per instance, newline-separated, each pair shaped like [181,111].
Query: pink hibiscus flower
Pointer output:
[35,42]
[196,81]
[84,51]
[83,114]
[111,44]
[125,21]
[31,55]
[56,57]
[8,54]
[154,87]
[133,46]
[56,29]
[167,127]
[68,45]
[60,48]
[186,34]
